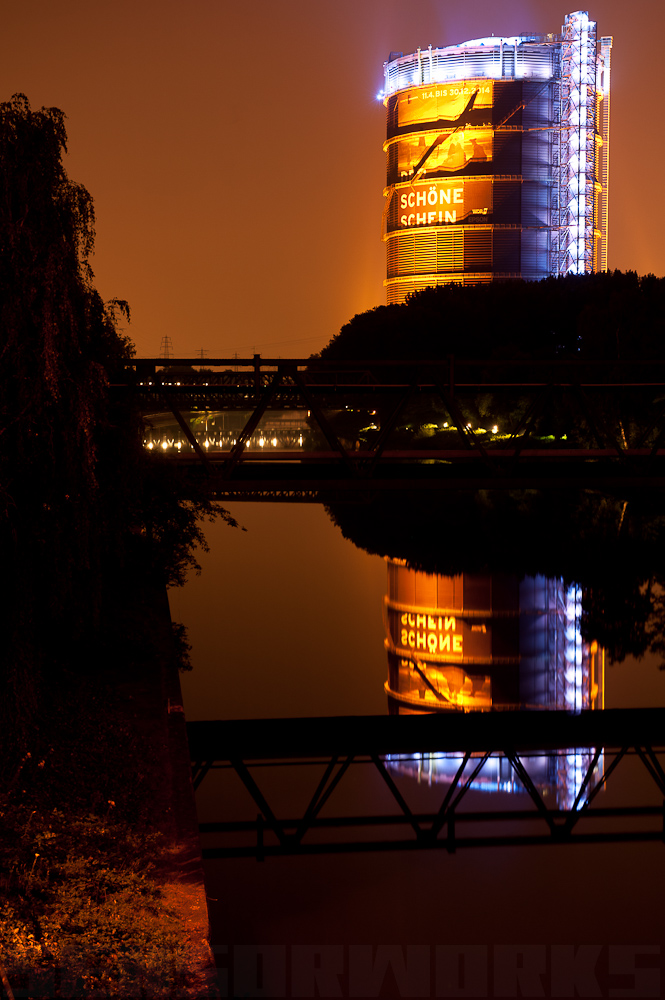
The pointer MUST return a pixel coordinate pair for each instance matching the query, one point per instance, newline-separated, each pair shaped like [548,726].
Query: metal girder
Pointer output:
[337,745]
[323,422]
[278,739]
[311,833]
[187,431]
[241,374]
[591,396]
[236,452]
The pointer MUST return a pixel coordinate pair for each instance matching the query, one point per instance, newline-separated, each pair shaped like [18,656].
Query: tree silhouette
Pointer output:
[76,497]
[608,315]
[58,345]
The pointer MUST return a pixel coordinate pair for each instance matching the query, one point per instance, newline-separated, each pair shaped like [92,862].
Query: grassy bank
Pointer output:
[84,852]
[83,916]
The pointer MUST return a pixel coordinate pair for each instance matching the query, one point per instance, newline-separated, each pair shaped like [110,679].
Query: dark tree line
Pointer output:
[561,325]
[80,509]
[605,316]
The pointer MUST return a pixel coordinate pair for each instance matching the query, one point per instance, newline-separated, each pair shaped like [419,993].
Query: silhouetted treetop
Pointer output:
[38,197]
[58,346]
[58,338]
[609,315]
[79,508]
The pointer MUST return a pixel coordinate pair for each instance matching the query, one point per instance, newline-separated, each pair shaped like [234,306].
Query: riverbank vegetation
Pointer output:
[88,527]
[556,334]
[83,912]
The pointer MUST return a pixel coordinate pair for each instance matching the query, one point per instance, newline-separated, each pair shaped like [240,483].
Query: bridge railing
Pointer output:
[452,371]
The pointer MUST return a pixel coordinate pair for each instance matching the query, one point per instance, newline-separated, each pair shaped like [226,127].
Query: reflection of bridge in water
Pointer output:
[299,430]
[328,751]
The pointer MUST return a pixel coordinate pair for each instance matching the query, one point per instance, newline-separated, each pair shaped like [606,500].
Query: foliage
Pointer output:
[613,548]
[78,498]
[82,912]
[182,646]
[58,346]
[608,315]
[81,863]
[172,512]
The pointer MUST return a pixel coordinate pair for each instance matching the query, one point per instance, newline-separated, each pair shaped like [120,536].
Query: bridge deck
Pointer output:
[274,739]
[598,741]
[613,413]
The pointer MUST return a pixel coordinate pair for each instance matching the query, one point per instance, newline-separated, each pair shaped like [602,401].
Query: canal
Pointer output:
[286,620]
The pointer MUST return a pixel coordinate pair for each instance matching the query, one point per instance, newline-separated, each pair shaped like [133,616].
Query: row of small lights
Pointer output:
[470,427]
[574,765]
[480,430]
[461,73]
[172,443]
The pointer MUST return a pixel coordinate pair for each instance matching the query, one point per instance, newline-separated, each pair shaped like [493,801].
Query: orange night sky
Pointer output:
[234,150]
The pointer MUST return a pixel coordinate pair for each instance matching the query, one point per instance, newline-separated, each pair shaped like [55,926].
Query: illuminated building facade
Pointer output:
[481,642]
[487,641]
[497,159]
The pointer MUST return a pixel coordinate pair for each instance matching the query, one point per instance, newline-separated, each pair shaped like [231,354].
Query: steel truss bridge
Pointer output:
[614,421]
[259,751]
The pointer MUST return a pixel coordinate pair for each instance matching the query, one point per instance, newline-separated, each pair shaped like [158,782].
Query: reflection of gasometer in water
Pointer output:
[487,641]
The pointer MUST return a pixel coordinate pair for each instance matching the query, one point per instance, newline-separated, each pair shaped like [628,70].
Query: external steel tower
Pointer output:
[497,159]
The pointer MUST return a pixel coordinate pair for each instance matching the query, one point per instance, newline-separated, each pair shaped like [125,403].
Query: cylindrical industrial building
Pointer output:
[488,641]
[484,643]
[497,159]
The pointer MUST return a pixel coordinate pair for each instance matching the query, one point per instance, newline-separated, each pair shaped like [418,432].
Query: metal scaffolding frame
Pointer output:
[578,160]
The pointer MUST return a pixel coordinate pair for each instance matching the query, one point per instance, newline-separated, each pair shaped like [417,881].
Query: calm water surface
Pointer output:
[286,620]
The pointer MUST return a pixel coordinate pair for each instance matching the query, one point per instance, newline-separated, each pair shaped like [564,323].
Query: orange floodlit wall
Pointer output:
[481,641]
[497,159]
[456,208]
[445,103]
